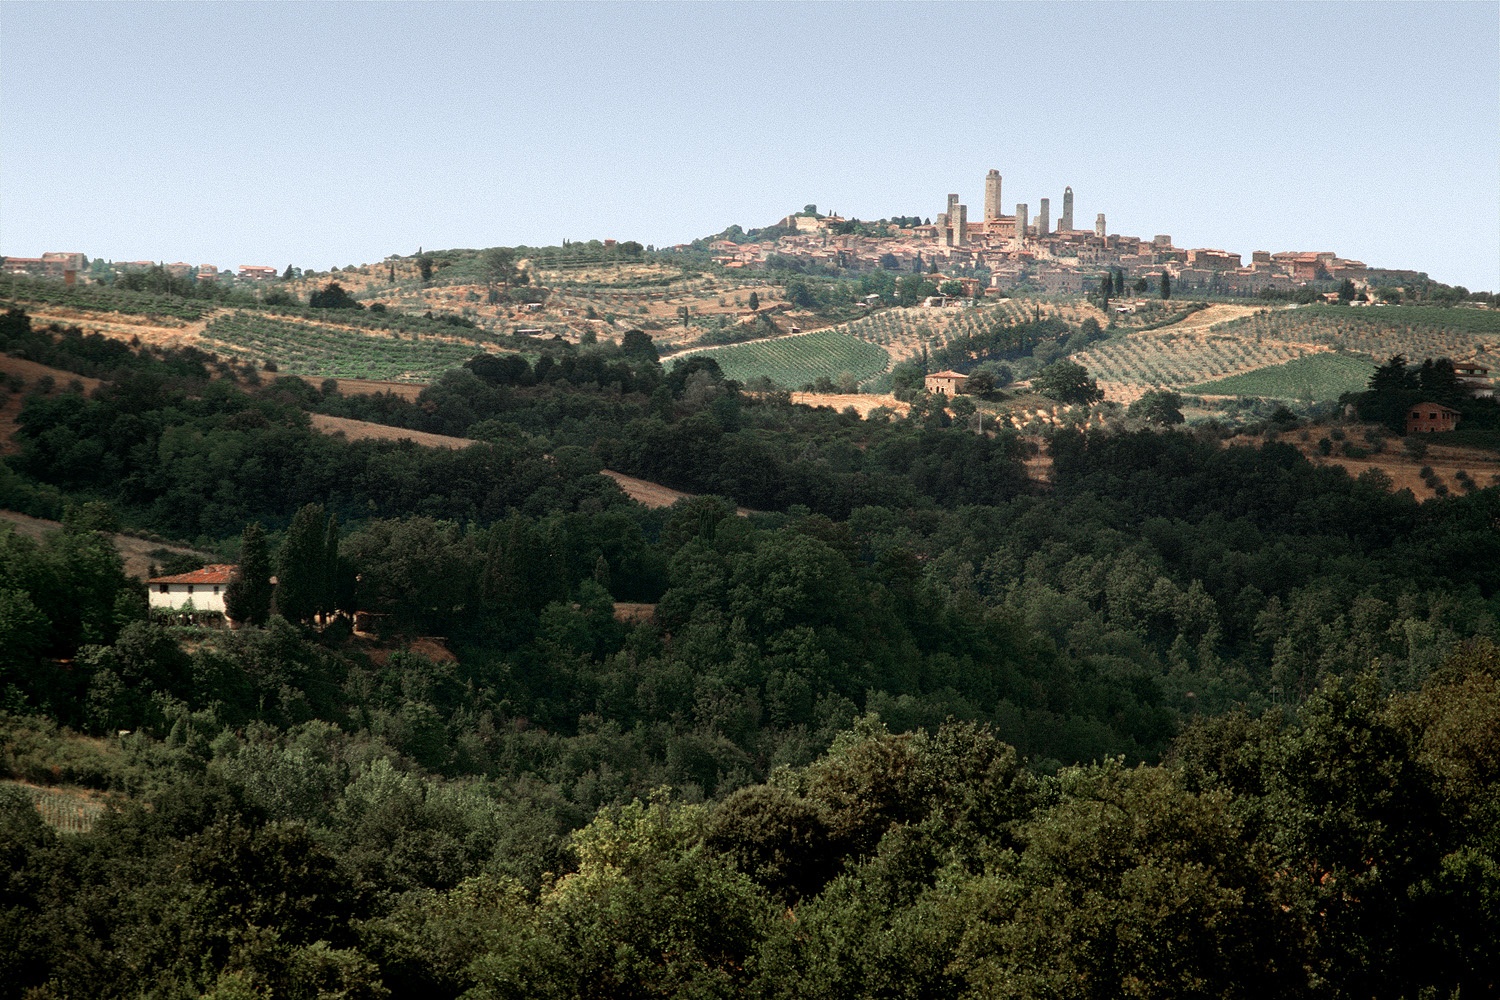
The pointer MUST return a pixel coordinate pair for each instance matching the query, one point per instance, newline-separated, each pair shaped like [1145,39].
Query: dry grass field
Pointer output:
[137,552]
[862,403]
[363,430]
[408,391]
[1404,470]
[158,331]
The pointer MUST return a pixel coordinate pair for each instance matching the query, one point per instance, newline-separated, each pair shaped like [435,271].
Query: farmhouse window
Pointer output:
[216,588]
[190,588]
[162,588]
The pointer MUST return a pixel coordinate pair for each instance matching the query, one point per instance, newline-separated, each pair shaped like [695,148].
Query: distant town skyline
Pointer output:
[326,134]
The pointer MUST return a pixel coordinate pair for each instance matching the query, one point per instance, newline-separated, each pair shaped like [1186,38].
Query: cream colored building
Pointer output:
[203,587]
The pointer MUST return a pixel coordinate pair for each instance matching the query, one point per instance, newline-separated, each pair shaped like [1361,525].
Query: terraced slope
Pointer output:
[794,361]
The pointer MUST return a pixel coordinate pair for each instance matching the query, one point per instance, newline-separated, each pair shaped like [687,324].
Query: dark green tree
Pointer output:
[1067,382]
[332,296]
[1166,285]
[1160,406]
[302,565]
[754,302]
[981,381]
[499,267]
[330,592]
[248,598]
[638,345]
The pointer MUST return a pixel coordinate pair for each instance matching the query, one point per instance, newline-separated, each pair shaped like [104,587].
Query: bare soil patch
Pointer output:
[408,391]
[31,371]
[862,402]
[632,613]
[1404,470]
[10,406]
[158,331]
[641,491]
[1219,312]
[135,551]
[653,495]
[364,430]
[379,649]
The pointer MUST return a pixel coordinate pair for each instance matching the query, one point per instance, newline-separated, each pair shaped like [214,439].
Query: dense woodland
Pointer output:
[1190,720]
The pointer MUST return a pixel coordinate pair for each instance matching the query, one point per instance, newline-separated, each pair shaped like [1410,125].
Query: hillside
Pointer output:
[833,685]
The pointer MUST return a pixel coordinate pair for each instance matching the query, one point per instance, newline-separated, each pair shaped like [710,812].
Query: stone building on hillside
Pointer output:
[948,383]
[203,588]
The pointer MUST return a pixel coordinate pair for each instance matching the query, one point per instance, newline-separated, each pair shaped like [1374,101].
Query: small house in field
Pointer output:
[1429,418]
[203,587]
[946,383]
[1474,377]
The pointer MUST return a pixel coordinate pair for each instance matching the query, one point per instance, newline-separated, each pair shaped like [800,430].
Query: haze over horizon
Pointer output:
[322,135]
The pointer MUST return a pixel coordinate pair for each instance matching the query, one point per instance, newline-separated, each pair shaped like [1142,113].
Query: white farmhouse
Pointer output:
[204,587]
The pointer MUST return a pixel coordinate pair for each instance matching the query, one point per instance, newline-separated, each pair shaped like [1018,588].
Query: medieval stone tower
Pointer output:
[1044,217]
[1066,224]
[992,195]
[1021,213]
[1099,225]
[953,225]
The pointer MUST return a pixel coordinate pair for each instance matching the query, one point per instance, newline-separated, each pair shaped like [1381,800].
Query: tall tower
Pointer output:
[953,225]
[1021,223]
[1044,217]
[1067,216]
[1099,225]
[992,195]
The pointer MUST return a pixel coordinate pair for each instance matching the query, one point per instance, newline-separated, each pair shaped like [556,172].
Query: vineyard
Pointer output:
[1315,352]
[1315,377]
[14,288]
[792,362]
[64,811]
[1415,331]
[1173,361]
[903,331]
[307,349]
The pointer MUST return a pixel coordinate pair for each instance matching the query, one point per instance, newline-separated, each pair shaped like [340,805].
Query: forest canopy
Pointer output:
[871,713]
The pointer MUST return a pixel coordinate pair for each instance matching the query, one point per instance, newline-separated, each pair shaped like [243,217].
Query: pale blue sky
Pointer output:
[329,134]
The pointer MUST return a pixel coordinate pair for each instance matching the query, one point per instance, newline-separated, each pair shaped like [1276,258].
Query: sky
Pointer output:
[320,135]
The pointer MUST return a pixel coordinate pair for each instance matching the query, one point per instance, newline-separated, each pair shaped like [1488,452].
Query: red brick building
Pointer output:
[1429,418]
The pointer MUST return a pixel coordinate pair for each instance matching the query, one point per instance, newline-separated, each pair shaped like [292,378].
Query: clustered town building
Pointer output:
[991,254]
[1023,249]
[72,267]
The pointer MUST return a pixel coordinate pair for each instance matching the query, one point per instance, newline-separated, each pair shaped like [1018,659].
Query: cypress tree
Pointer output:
[302,565]
[248,597]
[329,592]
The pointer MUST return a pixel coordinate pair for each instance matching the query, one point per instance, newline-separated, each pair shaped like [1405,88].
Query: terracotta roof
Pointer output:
[947,375]
[220,573]
[1434,406]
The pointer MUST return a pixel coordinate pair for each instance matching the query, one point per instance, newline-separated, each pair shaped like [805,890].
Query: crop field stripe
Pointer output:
[794,361]
[1320,376]
[308,349]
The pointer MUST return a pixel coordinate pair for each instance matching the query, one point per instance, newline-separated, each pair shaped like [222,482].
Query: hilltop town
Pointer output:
[999,253]
[996,254]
